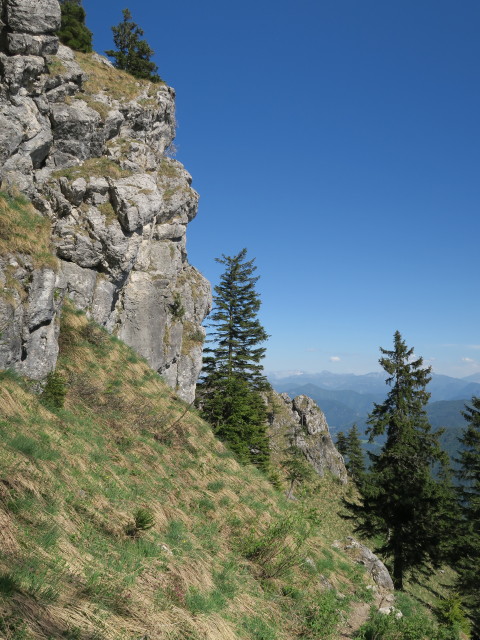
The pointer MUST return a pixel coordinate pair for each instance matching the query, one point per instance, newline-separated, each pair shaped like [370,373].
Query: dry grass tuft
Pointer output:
[24,231]
[114,83]
[99,167]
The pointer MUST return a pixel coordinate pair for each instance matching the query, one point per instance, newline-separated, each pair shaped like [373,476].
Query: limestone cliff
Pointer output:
[302,423]
[86,143]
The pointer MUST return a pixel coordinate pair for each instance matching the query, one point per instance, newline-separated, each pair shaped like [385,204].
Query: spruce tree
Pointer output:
[133,54]
[297,469]
[73,31]
[468,543]
[401,501]
[355,461]
[232,376]
[341,443]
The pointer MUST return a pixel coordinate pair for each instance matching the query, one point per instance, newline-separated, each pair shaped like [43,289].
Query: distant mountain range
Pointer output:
[347,398]
[441,387]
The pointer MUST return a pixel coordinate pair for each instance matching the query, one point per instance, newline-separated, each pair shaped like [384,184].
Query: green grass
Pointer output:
[79,476]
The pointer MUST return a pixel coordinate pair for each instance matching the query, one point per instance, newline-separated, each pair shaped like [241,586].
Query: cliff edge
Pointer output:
[87,144]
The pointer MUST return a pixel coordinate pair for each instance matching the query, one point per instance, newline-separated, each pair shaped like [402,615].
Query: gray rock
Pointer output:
[120,238]
[75,130]
[33,16]
[28,318]
[302,423]
[21,71]
[26,44]
[373,564]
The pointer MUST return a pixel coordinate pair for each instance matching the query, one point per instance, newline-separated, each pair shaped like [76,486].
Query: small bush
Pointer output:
[276,550]
[451,613]
[198,602]
[215,486]
[143,521]
[53,396]
[176,308]
[8,585]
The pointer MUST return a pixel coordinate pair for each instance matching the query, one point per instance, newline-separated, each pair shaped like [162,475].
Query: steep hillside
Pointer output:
[227,556]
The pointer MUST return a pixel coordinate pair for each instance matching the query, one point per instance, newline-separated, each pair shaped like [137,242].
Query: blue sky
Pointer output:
[338,141]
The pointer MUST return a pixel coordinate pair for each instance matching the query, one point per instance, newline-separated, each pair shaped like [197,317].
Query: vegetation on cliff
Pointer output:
[232,375]
[73,31]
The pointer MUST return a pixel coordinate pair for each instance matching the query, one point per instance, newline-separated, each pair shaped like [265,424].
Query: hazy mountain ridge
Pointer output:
[343,407]
[441,387]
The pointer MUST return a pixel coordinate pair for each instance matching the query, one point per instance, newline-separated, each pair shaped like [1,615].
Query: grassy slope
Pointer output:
[71,480]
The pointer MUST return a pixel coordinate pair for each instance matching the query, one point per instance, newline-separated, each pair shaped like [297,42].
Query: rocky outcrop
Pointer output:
[300,422]
[87,144]
[373,564]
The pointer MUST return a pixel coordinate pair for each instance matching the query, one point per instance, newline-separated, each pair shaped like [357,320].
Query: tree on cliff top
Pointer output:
[133,54]
[232,375]
[402,501]
[73,31]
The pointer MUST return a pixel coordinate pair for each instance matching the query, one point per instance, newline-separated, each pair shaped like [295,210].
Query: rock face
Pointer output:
[373,564]
[302,423]
[86,143]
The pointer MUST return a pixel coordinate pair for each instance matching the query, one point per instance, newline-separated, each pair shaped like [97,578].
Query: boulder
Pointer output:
[373,564]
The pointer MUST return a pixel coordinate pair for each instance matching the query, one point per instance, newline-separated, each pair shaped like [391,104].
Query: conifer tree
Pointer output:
[341,443]
[355,460]
[402,502]
[232,376]
[132,54]
[73,31]
[298,470]
[468,544]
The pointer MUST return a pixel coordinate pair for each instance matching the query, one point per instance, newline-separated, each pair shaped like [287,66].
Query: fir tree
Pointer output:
[73,31]
[298,470]
[402,502]
[341,443]
[468,543]
[237,332]
[232,376]
[354,452]
[133,54]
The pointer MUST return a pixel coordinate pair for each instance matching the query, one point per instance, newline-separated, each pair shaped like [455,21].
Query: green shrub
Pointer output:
[451,613]
[8,585]
[276,550]
[53,396]
[215,486]
[143,520]
[176,307]
[73,32]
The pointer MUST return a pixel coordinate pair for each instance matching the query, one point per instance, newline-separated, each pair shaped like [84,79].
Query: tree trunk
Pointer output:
[397,562]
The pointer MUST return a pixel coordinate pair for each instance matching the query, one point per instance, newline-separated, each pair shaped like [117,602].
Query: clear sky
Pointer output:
[339,141]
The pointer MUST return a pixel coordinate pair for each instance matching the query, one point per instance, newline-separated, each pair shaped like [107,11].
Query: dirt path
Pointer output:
[359,613]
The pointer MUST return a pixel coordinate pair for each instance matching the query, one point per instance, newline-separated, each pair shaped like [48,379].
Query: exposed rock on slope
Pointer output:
[302,423]
[87,144]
